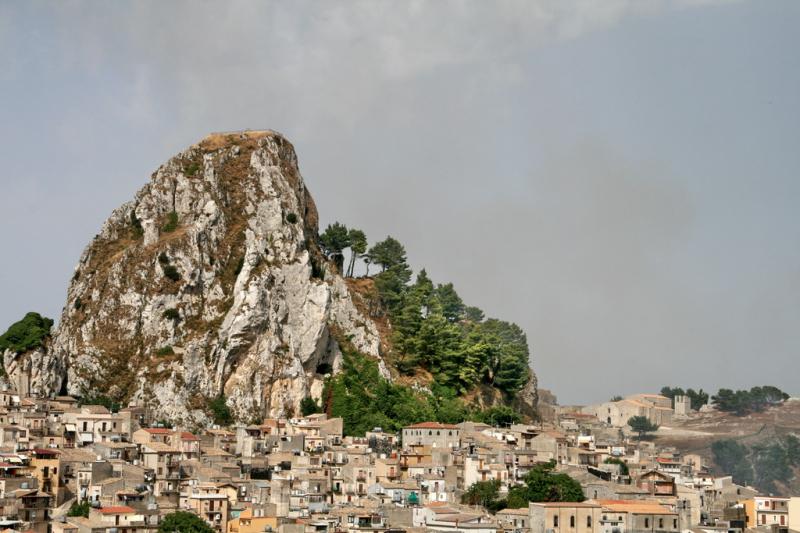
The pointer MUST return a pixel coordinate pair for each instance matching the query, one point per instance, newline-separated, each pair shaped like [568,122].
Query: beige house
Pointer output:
[550,446]
[564,517]
[516,520]
[210,503]
[432,434]
[94,423]
[637,516]
[657,409]
[164,461]
[767,511]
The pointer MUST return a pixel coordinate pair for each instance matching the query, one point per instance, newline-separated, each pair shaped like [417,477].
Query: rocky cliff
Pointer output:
[209,282]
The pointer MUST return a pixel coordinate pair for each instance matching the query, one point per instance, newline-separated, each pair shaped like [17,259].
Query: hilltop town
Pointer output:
[218,367]
[72,468]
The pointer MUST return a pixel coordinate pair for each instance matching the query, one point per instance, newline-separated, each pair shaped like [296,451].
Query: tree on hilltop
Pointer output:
[388,253]
[358,246]
[334,240]
[642,425]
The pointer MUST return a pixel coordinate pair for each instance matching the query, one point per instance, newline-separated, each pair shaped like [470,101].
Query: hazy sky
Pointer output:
[619,177]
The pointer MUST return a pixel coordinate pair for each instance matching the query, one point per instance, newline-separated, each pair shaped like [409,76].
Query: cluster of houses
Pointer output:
[303,475]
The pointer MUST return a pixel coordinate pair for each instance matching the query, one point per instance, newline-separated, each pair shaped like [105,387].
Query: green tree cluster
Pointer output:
[336,239]
[365,400]
[183,522]
[432,330]
[27,334]
[742,402]
[541,484]
[642,425]
[623,466]
[79,509]
[697,398]
[432,327]
[500,415]
[220,411]
[100,399]
[309,406]
[760,465]
[486,494]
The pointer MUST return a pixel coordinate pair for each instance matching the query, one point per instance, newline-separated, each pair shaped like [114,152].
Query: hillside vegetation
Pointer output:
[212,295]
[27,334]
[366,400]
[432,337]
[759,448]
[432,329]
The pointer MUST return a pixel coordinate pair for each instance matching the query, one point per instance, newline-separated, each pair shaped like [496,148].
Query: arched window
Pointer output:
[555,521]
[589,521]
[572,521]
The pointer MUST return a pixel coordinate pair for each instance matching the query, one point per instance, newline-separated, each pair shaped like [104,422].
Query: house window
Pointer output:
[660,523]
[646,522]
[572,521]
[589,521]
[674,523]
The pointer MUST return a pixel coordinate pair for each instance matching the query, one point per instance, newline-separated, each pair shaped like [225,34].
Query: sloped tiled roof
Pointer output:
[431,425]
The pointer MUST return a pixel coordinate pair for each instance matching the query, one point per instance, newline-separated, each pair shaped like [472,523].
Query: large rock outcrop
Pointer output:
[209,282]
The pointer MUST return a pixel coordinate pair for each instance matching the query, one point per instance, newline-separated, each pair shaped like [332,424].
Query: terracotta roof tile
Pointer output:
[431,425]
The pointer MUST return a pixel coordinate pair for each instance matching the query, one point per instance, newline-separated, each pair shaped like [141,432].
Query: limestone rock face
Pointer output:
[33,372]
[209,282]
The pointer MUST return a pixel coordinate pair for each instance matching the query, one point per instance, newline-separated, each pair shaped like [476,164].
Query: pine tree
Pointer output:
[452,305]
[358,246]
[334,240]
[388,253]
